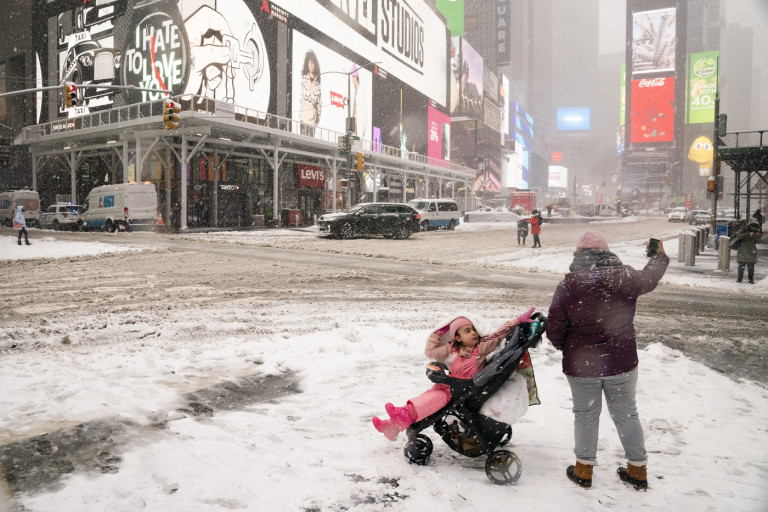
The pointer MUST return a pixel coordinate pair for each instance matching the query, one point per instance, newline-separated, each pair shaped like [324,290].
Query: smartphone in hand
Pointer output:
[653,246]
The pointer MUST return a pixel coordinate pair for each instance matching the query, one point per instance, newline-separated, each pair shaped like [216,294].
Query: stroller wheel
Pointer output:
[503,467]
[418,450]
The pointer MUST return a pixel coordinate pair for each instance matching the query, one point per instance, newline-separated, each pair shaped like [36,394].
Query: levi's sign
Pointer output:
[311,176]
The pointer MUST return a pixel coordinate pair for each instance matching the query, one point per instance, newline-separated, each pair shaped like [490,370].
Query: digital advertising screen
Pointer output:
[470,97]
[654,36]
[653,110]
[153,46]
[702,87]
[439,140]
[573,119]
[558,176]
[401,121]
[504,100]
[321,80]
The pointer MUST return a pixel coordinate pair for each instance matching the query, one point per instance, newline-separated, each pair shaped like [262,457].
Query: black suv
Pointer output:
[392,220]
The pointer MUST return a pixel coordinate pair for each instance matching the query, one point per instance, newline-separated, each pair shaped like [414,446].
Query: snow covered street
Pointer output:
[240,371]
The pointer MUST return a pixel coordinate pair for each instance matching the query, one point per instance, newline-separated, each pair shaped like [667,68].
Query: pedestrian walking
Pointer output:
[20,223]
[522,230]
[746,255]
[591,320]
[536,221]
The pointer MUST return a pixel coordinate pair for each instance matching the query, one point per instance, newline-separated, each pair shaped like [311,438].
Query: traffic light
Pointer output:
[171,112]
[70,95]
[360,162]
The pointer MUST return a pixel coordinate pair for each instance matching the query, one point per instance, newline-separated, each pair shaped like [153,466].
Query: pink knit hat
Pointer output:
[592,240]
[458,323]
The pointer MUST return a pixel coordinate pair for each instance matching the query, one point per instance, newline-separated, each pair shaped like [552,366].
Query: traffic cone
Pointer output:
[159,218]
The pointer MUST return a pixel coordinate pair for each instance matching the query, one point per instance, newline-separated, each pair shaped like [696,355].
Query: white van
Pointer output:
[120,207]
[437,213]
[29,199]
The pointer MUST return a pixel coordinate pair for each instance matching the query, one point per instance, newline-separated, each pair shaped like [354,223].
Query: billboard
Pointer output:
[504,101]
[407,39]
[453,10]
[470,84]
[558,176]
[403,123]
[702,86]
[653,110]
[653,41]
[573,118]
[187,47]
[321,80]
[439,140]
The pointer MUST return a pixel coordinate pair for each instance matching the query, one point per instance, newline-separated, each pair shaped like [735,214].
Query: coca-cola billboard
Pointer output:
[653,110]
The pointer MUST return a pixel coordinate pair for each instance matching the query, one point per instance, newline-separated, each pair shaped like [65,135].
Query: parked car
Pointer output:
[699,217]
[436,213]
[679,214]
[61,215]
[391,220]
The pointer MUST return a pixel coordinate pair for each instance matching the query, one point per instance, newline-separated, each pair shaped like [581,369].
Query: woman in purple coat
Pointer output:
[591,321]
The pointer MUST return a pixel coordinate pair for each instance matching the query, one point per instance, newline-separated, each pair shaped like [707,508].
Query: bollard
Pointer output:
[724,254]
[696,243]
[690,250]
[703,239]
[681,248]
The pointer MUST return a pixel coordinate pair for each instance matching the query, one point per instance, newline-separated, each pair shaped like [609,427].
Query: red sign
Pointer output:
[311,176]
[653,110]
[557,156]
[337,100]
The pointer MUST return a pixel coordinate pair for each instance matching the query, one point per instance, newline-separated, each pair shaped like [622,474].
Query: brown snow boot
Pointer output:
[636,476]
[580,474]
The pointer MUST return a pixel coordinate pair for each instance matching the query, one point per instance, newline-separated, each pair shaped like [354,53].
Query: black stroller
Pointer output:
[459,423]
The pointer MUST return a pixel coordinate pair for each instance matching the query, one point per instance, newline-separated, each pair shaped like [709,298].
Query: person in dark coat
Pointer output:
[522,230]
[759,216]
[746,256]
[591,320]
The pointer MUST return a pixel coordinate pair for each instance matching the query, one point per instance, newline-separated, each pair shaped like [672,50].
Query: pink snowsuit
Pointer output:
[438,396]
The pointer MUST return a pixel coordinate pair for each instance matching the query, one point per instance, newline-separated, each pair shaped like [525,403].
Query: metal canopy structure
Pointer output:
[125,136]
[747,154]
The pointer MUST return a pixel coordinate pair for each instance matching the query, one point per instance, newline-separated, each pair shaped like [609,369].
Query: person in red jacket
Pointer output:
[536,220]
[591,320]
[468,352]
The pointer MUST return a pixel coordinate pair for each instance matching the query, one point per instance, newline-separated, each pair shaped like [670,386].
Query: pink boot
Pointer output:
[400,416]
[386,427]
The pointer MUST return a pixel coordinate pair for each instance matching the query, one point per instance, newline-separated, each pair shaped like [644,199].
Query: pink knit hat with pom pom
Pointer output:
[592,240]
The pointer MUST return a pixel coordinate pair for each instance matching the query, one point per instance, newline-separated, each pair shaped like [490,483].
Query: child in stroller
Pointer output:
[476,374]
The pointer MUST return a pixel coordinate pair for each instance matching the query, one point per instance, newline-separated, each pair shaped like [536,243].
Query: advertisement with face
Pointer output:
[455,78]
[653,110]
[201,49]
[321,80]
[439,141]
[408,39]
[654,35]
[194,48]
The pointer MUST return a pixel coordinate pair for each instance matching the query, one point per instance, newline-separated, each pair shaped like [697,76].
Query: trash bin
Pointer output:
[295,217]
[722,228]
